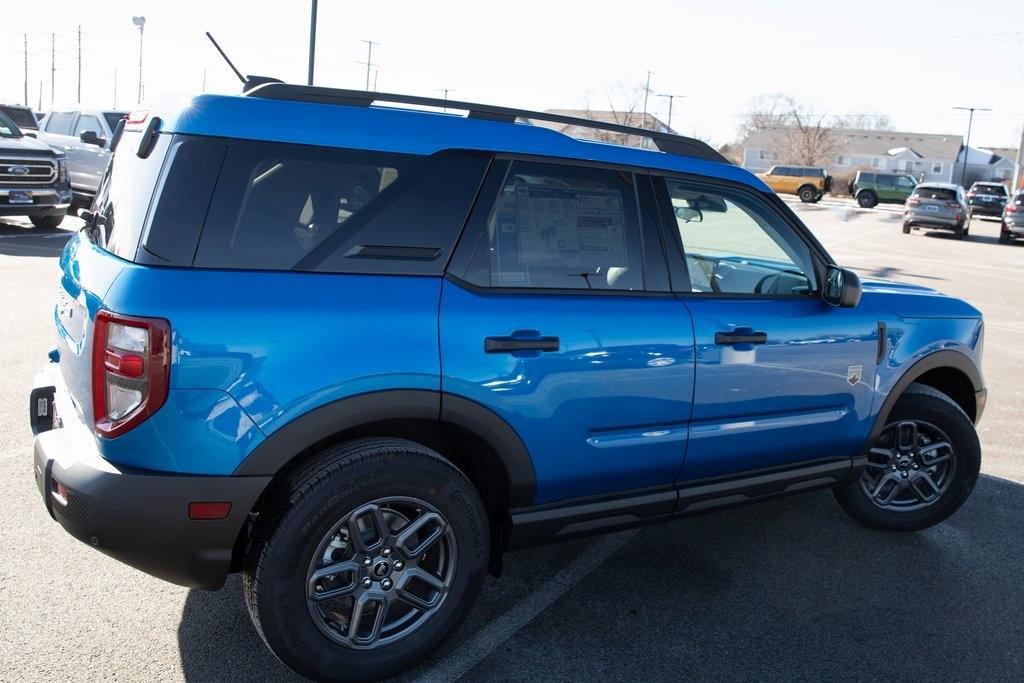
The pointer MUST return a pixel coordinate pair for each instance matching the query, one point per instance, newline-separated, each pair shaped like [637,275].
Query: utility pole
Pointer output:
[967,144]
[369,58]
[40,107]
[670,98]
[140,23]
[53,65]
[79,63]
[312,43]
[1018,181]
[204,79]
[26,70]
[643,118]
[376,72]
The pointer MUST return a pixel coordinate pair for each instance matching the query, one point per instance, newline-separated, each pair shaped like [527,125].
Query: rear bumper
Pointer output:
[136,516]
[926,221]
[987,209]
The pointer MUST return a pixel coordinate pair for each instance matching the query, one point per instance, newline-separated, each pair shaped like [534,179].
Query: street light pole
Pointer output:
[967,144]
[312,42]
[671,99]
[140,23]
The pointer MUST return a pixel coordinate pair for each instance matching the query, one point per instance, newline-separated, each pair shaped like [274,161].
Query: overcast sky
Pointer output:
[912,61]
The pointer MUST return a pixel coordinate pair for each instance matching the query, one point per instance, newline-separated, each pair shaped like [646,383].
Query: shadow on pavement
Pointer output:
[790,589]
[19,240]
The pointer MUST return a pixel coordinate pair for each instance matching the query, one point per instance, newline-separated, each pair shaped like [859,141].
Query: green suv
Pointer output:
[870,188]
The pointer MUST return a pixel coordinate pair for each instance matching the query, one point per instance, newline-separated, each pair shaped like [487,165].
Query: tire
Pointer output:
[304,525]
[46,222]
[933,413]
[807,194]
[906,228]
[959,231]
[1004,237]
[867,199]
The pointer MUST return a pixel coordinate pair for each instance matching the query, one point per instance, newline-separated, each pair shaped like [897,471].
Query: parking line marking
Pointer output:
[498,631]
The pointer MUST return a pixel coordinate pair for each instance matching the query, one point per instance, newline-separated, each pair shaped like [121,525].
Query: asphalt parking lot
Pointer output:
[791,589]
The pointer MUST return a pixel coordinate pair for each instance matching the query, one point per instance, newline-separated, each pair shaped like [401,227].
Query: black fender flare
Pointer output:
[280,447]
[939,359]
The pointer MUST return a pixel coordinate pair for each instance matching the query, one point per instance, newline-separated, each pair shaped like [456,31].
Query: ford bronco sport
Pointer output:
[870,188]
[358,356]
[809,183]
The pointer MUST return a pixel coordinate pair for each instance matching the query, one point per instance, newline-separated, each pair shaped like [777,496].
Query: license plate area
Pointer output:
[19,197]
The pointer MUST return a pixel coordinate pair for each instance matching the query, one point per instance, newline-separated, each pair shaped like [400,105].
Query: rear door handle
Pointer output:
[512,344]
[742,337]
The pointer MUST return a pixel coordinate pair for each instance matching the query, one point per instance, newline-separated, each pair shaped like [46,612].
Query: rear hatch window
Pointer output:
[995,189]
[938,193]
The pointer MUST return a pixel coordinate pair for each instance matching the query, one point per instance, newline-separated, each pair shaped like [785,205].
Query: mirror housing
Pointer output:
[90,138]
[842,287]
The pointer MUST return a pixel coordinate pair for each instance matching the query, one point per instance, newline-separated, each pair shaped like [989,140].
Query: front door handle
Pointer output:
[741,337]
[512,344]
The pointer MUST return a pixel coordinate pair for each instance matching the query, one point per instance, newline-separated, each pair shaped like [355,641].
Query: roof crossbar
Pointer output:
[666,142]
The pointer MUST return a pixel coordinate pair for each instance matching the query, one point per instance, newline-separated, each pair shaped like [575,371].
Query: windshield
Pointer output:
[7,127]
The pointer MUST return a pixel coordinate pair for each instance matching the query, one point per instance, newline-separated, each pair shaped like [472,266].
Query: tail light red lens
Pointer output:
[1010,208]
[131,364]
[913,202]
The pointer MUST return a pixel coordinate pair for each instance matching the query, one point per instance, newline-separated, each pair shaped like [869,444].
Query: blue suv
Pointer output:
[356,351]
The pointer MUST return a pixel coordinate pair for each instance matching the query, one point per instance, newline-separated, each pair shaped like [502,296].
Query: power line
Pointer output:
[369,58]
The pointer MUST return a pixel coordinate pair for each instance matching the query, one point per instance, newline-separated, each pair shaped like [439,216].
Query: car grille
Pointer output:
[27,171]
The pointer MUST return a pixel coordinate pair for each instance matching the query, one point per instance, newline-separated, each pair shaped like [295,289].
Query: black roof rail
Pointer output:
[666,142]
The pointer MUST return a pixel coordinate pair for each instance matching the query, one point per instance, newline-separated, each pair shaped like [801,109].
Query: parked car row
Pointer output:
[51,165]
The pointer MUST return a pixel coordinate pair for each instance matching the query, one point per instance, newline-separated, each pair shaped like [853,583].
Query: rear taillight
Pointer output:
[913,202]
[1010,208]
[971,195]
[131,364]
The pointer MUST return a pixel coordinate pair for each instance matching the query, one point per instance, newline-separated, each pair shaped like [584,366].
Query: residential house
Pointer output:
[926,156]
[991,163]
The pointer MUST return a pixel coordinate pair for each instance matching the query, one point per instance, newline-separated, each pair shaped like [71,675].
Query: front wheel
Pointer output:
[365,559]
[906,228]
[807,194]
[46,222]
[920,470]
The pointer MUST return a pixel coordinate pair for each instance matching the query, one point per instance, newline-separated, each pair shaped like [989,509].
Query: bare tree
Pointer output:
[863,122]
[797,133]
[624,107]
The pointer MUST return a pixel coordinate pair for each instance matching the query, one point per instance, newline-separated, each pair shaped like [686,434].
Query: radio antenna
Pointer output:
[237,72]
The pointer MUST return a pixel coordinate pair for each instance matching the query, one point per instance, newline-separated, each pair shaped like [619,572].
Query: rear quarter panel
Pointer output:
[270,346]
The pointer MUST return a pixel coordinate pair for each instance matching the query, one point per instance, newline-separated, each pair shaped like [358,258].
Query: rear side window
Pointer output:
[560,227]
[886,180]
[60,123]
[112,118]
[941,193]
[295,207]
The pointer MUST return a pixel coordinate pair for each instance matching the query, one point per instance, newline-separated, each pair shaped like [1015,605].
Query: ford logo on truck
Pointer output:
[17,170]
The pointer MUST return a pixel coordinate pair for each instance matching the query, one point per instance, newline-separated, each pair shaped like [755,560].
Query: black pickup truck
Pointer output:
[33,178]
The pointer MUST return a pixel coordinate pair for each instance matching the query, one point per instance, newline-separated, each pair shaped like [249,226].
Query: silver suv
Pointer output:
[940,206]
[85,136]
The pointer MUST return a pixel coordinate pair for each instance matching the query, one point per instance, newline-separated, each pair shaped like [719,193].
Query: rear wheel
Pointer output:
[807,194]
[1004,237]
[866,199]
[46,222]
[921,468]
[906,228]
[365,559]
[959,231]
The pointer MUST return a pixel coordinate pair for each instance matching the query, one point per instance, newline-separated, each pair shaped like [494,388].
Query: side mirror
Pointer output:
[842,287]
[90,138]
[29,133]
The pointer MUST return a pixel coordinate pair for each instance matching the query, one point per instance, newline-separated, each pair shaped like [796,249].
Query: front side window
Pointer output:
[887,181]
[561,227]
[937,167]
[905,181]
[735,245]
[60,123]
